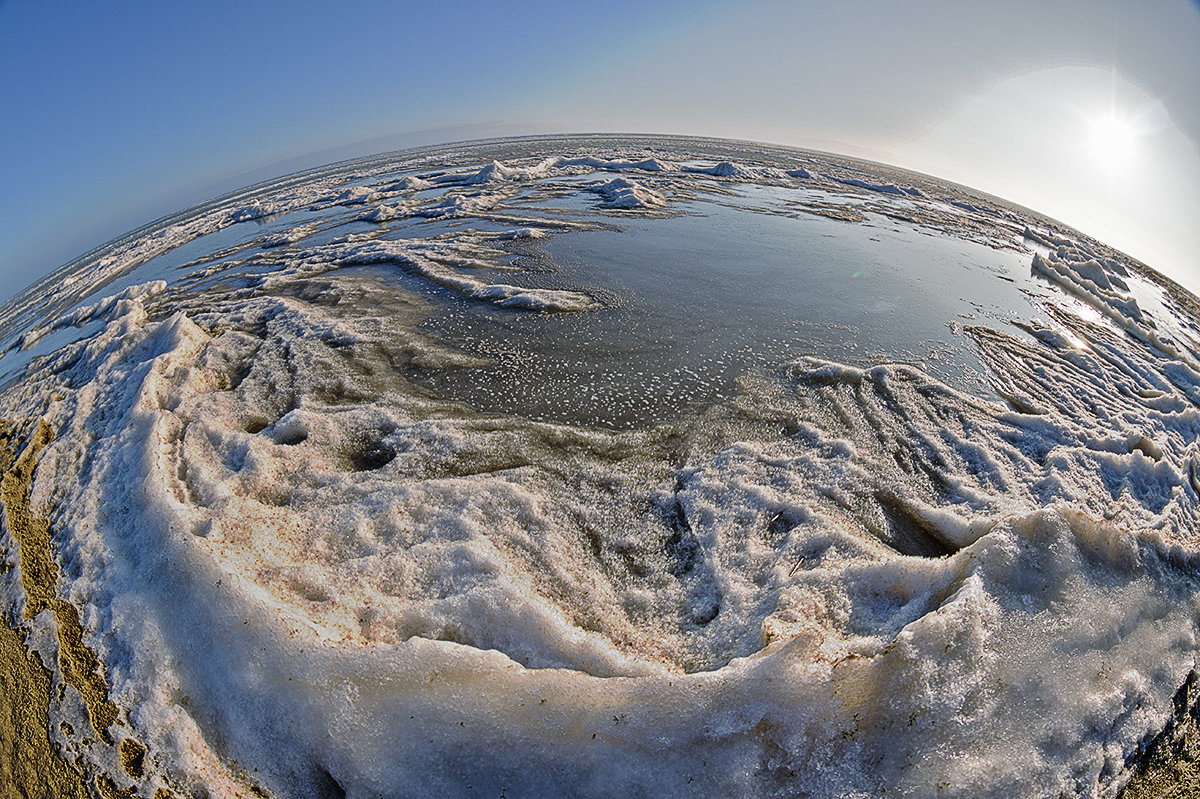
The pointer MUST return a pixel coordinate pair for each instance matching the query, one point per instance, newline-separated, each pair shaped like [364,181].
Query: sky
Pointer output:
[117,113]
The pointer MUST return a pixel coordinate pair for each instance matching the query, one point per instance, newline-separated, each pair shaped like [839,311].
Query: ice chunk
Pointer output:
[355,195]
[886,188]
[728,169]
[976,208]
[290,236]
[128,301]
[499,172]
[249,213]
[387,211]
[611,165]
[1088,281]
[459,205]
[411,183]
[628,193]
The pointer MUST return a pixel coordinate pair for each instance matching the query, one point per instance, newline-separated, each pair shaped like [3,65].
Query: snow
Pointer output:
[409,184]
[975,208]
[290,236]
[249,213]
[123,303]
[728,169]
[387,211]
[852,578]
[617,165]
[446,264]
[498,172]
[627,193]
[886,188]
[355,195]
[863,643]
[1088,281]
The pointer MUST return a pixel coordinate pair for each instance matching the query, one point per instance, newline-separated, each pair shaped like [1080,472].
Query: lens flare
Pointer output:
[1113,138]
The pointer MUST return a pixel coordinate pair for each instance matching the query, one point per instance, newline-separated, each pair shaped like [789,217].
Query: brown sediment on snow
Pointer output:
[1169,765]
[39,578]
[30,763]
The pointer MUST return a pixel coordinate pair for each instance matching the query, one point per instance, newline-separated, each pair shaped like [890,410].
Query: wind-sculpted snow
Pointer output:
[295,548]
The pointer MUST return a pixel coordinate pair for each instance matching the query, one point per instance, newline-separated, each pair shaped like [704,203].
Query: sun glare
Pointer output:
[1112,138]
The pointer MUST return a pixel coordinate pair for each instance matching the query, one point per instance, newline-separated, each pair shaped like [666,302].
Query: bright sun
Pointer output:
[1113,139]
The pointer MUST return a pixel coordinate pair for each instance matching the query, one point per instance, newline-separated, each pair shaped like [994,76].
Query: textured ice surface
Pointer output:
[521,482]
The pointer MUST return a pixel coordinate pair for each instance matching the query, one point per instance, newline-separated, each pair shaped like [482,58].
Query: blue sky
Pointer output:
[120,112]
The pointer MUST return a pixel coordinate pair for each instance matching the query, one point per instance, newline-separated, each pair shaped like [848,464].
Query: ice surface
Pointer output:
[843,578]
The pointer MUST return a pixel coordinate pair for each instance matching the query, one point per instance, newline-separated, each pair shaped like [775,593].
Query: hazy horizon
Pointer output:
[1085,112]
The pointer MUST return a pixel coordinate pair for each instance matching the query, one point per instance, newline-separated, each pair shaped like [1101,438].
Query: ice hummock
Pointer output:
[626,193]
